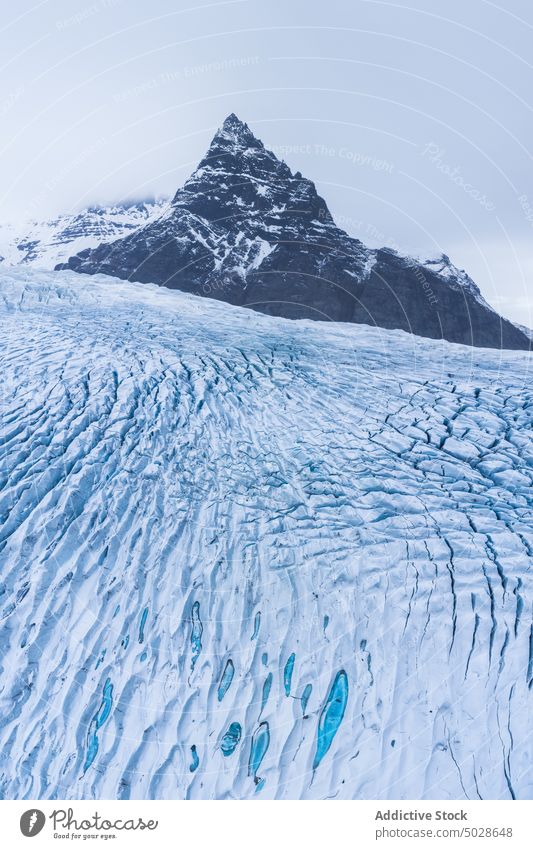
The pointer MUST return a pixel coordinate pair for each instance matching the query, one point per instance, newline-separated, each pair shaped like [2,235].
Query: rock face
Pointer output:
[43,244]
[246,230]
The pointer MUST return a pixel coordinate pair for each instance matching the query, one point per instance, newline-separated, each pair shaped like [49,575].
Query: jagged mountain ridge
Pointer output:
[43,244]
[246,230]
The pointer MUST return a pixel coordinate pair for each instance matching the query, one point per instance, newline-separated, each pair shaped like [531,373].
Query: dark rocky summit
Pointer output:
[246,230]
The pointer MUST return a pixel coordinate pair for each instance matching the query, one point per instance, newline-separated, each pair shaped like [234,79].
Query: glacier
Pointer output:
[248,557]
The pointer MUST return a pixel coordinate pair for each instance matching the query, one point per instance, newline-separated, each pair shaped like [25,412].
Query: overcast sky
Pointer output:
[414,118]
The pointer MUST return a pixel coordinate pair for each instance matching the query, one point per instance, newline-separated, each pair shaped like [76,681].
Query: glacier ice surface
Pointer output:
[245,557]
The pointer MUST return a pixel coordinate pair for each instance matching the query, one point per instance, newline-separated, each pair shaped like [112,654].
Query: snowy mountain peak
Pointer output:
[457,277]
[245,229]
[443,265]
[239,180]
[45,243]
[235,132]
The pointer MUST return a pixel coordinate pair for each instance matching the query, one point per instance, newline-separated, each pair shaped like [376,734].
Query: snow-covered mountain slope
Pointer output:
[250,557]
[44,244]
[246,230]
